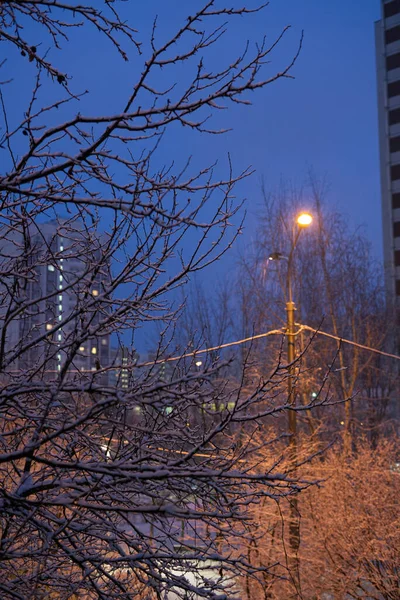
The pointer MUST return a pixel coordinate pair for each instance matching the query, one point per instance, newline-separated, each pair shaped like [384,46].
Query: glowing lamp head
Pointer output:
[304,219]
[198,363]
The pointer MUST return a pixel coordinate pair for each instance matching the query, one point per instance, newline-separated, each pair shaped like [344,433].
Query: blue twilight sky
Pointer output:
[325,119]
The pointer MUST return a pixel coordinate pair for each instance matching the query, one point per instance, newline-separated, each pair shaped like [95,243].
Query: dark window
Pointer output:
[393,89]
[395,172]
[393,61]
[394,116]
[396,229]
[391,8]
[392,35]
[394,144]
[396,200]
[398,287]
[397,258]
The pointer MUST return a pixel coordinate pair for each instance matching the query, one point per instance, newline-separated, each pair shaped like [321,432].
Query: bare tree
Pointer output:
[351,526]
[350,529]
[337,289]
[109,489]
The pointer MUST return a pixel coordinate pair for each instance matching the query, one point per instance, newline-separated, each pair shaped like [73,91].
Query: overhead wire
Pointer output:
[345,341]
[211,349]
[258,336]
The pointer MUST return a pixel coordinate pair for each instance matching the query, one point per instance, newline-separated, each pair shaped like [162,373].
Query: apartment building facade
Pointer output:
[48,272]
[387,38]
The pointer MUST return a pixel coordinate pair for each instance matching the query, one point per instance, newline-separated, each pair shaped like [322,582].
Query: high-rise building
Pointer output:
[56,274]
[387,36]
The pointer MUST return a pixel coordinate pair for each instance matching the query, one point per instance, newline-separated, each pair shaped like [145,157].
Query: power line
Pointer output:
[264,335]
[340,339]
[220,347]
[238,343]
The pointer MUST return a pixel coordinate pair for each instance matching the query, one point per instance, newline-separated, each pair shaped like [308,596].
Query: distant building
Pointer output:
[61,291]
[387,36]
[124,361]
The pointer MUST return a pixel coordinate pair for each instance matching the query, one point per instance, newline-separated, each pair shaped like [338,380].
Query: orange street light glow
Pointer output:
[304,219]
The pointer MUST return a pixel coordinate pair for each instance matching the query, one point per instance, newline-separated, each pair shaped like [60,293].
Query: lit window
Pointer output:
[49,326]
[61,267]
[82,348]
[59,317]
[60,298]
[59,367]
[60,287]
[104,342]
[50,267]
[95,292]
[59,336]
[94,350]
[61,248]
[59,356]
[61,260]
[61,277]
[60,307]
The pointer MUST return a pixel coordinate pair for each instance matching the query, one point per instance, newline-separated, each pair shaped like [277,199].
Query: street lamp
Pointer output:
[303,220]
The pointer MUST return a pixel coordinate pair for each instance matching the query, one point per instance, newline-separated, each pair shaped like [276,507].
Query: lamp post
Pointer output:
[303,220]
